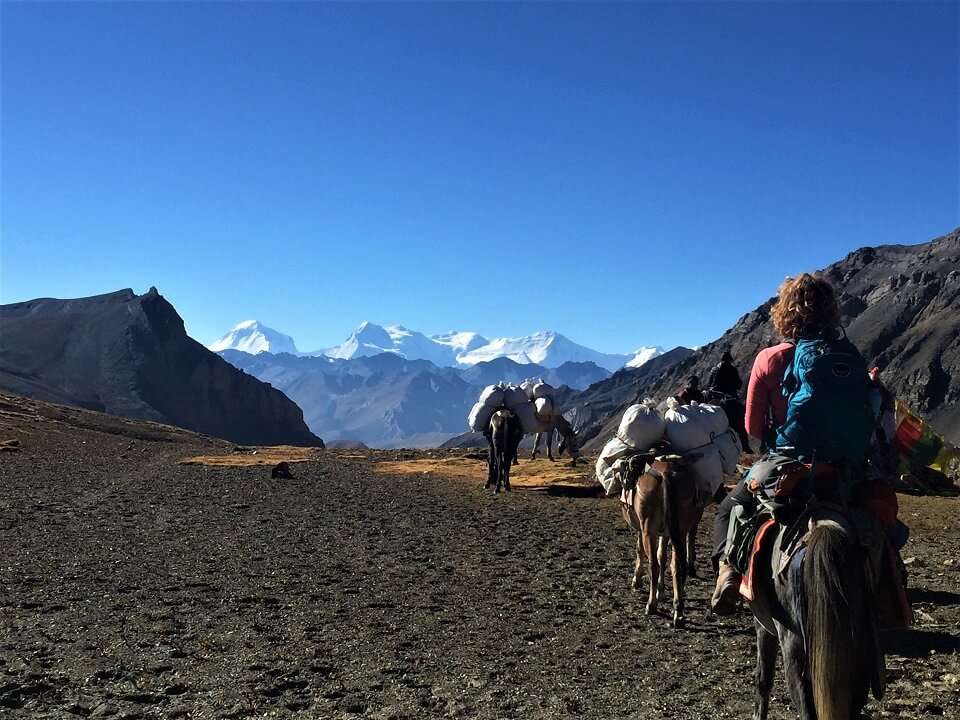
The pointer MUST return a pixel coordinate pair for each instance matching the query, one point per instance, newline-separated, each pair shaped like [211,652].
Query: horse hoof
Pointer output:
[679,622]
[651,610]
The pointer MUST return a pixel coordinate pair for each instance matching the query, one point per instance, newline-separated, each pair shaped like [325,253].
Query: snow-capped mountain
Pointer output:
[549,349]
[253,337]
[643,354]
[452,349]
[370,339]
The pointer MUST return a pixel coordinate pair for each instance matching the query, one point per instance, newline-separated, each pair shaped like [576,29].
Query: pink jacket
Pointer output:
[765,401]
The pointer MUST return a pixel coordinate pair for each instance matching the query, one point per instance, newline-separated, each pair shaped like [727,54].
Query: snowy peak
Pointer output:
[370,339]
[451,349]
[461,342]
[252,336]
[549,349]
[644,354]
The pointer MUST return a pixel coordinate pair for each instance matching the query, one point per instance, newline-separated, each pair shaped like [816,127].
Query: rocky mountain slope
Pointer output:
[901,308]
[129,355]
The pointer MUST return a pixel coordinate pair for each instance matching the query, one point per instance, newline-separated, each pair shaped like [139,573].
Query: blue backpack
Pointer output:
[829,407]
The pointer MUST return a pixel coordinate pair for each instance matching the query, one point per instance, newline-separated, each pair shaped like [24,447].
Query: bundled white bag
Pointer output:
[528,418]
[607,478]
[641,426]
[542,389]
[716,419]
[492,395]
[513,396]
[708,470]
[479,417]
[612,451]
[687,428]
[544,407]
[728,444]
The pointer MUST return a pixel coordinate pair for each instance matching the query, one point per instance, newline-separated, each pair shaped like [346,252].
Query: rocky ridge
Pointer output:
[129,355]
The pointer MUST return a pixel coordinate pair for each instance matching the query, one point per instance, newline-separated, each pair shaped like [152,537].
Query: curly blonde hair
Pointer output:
[806,307]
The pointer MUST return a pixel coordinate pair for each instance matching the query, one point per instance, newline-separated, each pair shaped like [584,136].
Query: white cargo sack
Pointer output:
[479,417]
[612,451]
[716,419]
[708,470]
[492,395]
[607,478]
[544,407]
[687,428]
[528,418]
[728,444]
[542,390]
[641,426]
[513,396]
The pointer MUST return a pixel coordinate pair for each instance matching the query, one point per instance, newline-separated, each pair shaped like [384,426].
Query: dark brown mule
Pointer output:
[660,503]
[503,436]
[822,617]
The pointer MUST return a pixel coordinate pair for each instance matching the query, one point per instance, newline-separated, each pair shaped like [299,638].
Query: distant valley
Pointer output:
[386,401]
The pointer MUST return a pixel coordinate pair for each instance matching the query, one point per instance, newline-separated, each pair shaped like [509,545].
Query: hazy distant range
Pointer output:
[394,387]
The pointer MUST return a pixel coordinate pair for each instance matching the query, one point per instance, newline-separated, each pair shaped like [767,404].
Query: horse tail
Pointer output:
[839,637]
[671,518]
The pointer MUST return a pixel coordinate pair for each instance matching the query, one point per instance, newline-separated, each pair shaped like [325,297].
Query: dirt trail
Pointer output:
[134,587]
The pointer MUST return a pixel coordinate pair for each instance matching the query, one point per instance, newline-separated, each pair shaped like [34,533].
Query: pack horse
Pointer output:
[659,502]
[503,437]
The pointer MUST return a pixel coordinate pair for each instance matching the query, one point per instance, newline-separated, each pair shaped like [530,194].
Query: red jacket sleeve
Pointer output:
[764,397]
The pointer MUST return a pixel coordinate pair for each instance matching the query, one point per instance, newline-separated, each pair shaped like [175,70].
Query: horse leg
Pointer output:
[679,581]
[491,464]
[795,670]
[536,446]
[505,471]
[766,668]
[550,445]
[650,536]
[692,543]
[638,562]
[662,562]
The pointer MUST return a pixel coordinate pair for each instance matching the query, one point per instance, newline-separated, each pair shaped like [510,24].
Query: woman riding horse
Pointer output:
[812,593]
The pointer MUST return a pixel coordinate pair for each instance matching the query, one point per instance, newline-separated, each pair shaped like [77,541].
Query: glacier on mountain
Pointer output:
[254,337]
[451,349]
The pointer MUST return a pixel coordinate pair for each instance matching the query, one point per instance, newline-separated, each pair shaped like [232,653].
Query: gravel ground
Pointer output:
[134,587]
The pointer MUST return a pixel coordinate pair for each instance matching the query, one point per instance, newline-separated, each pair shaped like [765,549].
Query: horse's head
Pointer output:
[568,440]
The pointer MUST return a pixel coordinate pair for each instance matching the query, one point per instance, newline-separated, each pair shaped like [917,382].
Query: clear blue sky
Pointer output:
[626,174]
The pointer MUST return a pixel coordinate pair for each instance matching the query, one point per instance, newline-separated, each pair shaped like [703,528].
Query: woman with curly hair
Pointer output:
[806,307]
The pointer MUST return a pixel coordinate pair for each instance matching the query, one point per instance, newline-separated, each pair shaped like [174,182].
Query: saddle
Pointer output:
[793,534]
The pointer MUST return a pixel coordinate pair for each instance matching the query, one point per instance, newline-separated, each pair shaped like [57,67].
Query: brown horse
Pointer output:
[660,503]
[503,434]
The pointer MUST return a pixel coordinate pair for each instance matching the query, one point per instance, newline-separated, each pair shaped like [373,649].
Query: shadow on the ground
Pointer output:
[919,643]
[936,597]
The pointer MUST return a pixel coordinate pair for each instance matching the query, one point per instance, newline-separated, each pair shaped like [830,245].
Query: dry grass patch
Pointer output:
[253,456]
[539,473]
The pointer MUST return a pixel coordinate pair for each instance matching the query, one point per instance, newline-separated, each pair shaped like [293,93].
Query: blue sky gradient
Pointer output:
[624,173]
